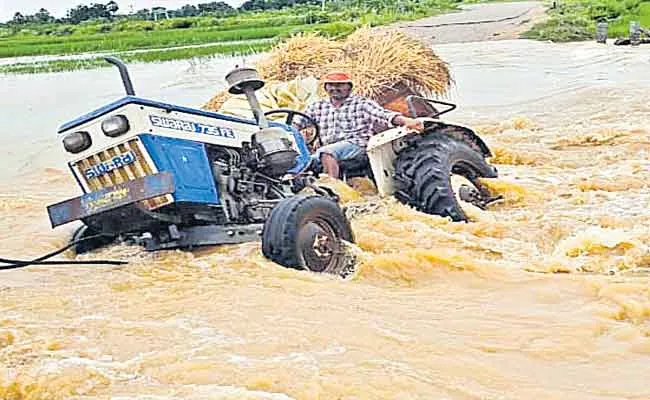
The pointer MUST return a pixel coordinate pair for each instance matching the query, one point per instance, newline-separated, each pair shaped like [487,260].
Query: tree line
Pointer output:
[109,11]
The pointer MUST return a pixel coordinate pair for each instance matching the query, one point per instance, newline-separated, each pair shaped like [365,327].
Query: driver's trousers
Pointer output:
[341,151]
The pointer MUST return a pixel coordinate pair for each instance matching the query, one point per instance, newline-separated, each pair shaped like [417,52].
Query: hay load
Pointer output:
[381,61]
[304,54]
[386,65]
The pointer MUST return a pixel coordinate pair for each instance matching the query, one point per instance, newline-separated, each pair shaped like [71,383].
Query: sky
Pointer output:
[58,8]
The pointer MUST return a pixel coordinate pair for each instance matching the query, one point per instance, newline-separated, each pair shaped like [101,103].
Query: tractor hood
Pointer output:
[151,103]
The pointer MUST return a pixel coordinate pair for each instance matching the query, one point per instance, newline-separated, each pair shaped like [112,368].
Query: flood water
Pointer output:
[545,296]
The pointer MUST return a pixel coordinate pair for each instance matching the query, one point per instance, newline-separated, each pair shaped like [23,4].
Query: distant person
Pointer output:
[347,122]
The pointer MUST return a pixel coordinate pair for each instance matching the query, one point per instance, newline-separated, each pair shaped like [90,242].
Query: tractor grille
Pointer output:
[142,166]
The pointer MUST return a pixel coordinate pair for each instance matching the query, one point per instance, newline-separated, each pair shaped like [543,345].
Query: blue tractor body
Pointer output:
[171,176]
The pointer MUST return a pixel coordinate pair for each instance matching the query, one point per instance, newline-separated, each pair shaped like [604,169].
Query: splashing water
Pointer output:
[544,295]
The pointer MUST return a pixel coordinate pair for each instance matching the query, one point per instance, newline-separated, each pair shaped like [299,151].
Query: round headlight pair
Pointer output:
[77,142]
[115,126]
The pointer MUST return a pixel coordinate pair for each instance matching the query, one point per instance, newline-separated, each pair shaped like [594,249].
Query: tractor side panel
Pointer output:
[189,163]
[382,151]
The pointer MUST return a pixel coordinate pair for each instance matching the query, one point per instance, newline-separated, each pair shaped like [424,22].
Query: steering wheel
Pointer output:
[292,113]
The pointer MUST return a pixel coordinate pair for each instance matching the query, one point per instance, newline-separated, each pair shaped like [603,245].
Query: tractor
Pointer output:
[164,176]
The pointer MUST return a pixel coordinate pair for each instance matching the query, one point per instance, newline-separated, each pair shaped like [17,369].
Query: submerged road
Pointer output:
[478,22]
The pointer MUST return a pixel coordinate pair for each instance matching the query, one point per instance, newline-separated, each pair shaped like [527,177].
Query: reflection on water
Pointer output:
[547,295]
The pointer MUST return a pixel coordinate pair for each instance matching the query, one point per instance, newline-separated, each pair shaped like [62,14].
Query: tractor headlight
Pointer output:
[77,142]
[115,126]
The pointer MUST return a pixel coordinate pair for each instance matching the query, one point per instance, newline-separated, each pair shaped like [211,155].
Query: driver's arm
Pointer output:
[409,123]
[380,115]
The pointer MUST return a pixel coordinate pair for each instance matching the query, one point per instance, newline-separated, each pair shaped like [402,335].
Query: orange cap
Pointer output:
[337,77]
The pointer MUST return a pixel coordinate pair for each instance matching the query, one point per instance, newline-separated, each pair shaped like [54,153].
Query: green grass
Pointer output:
[214,24]
[242,34]
[621,27]
[576,20]
[123,41]
[150,56]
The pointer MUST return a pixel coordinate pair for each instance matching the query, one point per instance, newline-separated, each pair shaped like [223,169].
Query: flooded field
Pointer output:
[545,296]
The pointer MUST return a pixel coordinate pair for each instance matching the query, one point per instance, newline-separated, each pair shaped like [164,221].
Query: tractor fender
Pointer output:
[383,148]
[458,132]
[396,136]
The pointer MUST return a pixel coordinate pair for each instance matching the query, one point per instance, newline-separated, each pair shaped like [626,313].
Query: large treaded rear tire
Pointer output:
[293,226]
[423,173]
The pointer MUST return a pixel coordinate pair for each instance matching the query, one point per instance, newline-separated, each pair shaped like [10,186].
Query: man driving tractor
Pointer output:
[347,122]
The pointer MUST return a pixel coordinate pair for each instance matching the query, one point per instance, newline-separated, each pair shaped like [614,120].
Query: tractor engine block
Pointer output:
[247,194]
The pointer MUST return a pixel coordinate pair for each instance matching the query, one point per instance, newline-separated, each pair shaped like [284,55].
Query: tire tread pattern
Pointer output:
[423,170]
[280,231]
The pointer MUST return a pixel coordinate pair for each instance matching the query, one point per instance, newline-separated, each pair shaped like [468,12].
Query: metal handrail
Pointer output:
[411,106]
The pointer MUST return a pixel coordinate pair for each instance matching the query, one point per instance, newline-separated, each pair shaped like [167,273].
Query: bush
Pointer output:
[178,23]
[64,31]
[104,28]
[576,19]
[318,17]
[563,30]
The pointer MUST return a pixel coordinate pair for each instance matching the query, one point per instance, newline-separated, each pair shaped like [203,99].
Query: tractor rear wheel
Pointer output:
[307,232]
[428,170]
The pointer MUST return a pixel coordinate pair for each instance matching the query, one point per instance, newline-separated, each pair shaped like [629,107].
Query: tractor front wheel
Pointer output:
[307,232]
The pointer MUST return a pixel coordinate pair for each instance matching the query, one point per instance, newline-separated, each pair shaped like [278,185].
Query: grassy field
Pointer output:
[133,35]
[133,40]
[149,56]
[149,41]
[246,33]
[575,20]
[168,53]
[123,41]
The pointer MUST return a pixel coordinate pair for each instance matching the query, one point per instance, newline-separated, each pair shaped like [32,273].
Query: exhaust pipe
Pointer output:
[124,73]
[272,143]
[247,81]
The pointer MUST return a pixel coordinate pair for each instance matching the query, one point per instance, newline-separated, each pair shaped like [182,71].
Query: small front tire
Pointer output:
[307,232]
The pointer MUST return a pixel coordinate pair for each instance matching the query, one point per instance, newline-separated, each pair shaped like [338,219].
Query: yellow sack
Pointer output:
[295,95]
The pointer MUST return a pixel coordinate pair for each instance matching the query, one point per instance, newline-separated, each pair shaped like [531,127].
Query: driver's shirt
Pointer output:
[356,120]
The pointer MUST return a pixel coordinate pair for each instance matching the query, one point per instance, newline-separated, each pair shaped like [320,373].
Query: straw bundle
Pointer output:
[303,55]
[381,61]
[384,64]
[217,101]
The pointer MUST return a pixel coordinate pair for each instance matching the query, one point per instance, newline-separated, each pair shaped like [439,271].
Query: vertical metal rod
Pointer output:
[601,32]
[124,73]
[635,33]
[255,106]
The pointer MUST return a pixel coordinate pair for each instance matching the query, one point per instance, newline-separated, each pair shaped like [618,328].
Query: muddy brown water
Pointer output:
[547,295]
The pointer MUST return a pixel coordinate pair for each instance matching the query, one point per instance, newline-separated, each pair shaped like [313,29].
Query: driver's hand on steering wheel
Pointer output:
[308,133]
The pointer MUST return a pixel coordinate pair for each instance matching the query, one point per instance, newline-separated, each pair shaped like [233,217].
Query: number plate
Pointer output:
[107,166]
[111,198]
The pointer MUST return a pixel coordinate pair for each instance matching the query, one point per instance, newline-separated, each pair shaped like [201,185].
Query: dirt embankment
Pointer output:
[478,22]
